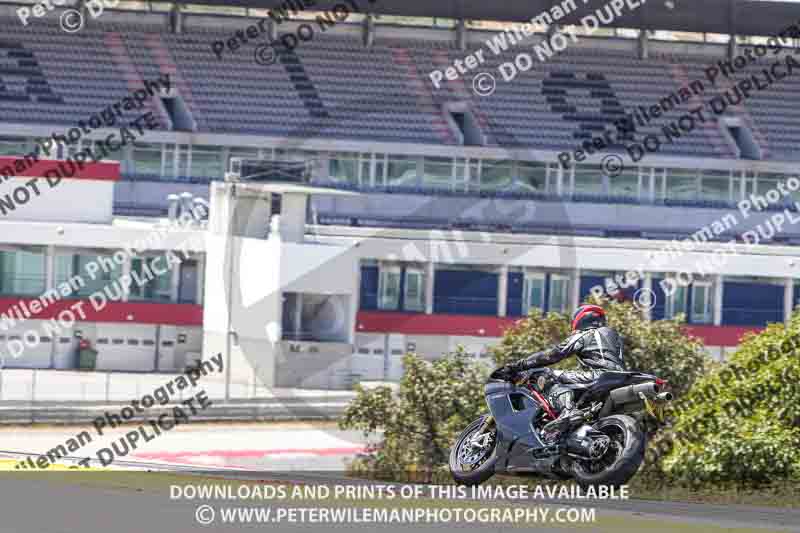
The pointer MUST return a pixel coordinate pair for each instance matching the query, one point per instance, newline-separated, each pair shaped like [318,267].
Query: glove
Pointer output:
[507,371]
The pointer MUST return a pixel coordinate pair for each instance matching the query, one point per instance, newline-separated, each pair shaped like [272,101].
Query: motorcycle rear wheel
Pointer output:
[621,460]
[471,464]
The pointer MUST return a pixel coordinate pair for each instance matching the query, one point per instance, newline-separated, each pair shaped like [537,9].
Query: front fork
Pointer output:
[487,423]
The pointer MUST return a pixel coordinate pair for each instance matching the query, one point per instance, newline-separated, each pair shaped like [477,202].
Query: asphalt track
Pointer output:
[49,502]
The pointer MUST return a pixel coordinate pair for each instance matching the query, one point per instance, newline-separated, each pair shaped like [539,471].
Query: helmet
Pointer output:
[587,316]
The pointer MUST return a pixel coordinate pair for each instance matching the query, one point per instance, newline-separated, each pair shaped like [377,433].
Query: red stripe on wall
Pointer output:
[108,171]
[131,312]
[421,324]
[489,326]
[721,335]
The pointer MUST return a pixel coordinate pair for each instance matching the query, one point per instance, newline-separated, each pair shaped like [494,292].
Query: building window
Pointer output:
[207,162]
[147,160]
[22,273]
[389,288]
[559,293]
[682,184]
[157,286]
[74,269]
[343,168]
[533,295]
[676,303]
[496,175]
[532,177]
[701,303]
[401,171]
[466,174]
[240,153]
[438,173]
[414,293]
[716,185]
[625,185]
[588,180]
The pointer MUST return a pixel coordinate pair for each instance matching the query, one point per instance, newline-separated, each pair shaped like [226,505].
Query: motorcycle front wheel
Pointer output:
[622,458]
[473,456]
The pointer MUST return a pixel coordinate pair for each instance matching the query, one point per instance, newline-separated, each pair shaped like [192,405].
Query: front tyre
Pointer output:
[622,458]
[473,456]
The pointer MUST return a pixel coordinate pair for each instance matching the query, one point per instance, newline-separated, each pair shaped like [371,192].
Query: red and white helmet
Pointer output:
[587,316]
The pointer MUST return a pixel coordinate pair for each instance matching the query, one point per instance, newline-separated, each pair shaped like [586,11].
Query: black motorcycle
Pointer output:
[603,444]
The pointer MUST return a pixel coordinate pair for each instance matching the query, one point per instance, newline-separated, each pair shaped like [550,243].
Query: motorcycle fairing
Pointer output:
[514,410]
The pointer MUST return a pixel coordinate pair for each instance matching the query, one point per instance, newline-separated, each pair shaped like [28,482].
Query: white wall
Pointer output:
[71,200]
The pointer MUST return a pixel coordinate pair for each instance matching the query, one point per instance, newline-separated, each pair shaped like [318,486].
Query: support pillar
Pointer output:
[788,299]
[575,289]
[502,291]
[717,303]
[430,274]
[647,287]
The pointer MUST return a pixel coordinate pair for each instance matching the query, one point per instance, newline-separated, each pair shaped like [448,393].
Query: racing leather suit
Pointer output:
[599,349]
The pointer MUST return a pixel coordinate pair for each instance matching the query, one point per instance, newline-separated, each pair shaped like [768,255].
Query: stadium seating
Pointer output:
[334,87]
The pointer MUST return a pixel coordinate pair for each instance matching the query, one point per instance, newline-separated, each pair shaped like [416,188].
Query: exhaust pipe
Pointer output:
[664,397]
[630,393]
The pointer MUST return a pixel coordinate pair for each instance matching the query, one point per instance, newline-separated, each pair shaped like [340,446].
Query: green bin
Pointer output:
[87,358]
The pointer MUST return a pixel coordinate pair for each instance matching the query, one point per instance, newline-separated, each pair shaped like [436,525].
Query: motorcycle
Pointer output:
[603,443]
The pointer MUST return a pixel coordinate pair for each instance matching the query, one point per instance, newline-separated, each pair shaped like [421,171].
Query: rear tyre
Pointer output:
[621,460]
[471,462]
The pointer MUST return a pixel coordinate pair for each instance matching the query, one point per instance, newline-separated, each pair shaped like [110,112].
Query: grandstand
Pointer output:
[406,160]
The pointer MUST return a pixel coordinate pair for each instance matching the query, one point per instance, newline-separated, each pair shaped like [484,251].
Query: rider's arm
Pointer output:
[553,354]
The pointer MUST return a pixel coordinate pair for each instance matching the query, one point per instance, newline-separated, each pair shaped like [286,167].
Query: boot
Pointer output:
[554,428]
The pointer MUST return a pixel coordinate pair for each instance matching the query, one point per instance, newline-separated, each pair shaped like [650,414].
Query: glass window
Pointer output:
[147,159]
[467,171]
[533,296]
[22,272]
[532,177]
[588,179]
[715,185]
[156,278]
[438,172]
[207,162]
[768,181]
[15,146]
[401,170]
[240,153]
[343,168]
[94,278]
[496,175]
[389,288]
[414,290]
[559,286]
[676,303]
[701,303]
[682,184]
[626,184]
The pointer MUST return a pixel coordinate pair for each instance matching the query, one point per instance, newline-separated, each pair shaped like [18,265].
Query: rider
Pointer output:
[598,348]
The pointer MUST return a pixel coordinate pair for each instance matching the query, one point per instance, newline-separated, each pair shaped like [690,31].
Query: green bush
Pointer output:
[436,400]
[741,423]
